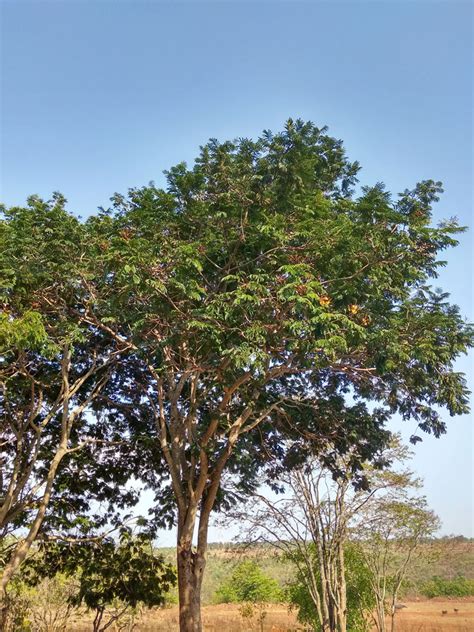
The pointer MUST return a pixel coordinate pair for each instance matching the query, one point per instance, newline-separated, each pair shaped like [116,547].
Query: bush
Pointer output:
[50,606]
[17,605]
[457,587]
[248,583]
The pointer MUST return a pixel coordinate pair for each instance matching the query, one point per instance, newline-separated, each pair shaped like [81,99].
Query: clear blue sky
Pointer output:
[100,96]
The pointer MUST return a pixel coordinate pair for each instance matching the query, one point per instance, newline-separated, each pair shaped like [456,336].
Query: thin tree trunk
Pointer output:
[342,590]
[392,615]
[381,615]
[3,614]
[97,619]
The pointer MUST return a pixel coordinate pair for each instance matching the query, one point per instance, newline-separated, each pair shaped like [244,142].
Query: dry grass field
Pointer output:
[418,616]
[437,616]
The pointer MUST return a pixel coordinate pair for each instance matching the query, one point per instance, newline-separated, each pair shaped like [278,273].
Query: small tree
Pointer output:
[113,578]
[391,529]
[129,573]
[313,519]
[359,595]
[309,523]
[249,583]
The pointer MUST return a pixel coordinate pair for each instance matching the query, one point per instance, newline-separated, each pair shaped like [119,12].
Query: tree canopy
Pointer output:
[259,297]
[259,290]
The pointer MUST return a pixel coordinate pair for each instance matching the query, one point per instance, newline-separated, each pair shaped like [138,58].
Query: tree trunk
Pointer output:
[3,611]
[23,547]
[341,589]
[381,615]
[190,573]
[98,619]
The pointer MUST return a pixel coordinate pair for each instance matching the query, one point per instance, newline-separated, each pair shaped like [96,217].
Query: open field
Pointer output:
[418,616]
[446,559]
[427,616]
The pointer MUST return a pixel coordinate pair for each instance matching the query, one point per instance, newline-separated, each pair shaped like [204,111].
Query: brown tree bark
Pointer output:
[191,566]
[195,479]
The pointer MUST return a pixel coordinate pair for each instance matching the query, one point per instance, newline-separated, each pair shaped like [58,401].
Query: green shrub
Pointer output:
[248,583]
[359,594]
[457,587]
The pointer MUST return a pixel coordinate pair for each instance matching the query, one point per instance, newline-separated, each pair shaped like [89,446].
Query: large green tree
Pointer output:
[261,298]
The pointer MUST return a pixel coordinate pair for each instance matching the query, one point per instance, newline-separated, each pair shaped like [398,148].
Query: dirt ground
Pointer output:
[418,616]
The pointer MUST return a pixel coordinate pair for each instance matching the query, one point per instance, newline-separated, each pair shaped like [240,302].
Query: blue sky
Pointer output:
[100,96]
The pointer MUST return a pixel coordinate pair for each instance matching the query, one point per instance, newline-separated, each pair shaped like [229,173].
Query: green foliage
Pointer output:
[359,594]
[25,332]
[41,258]
[440,587]
[53,363]
[360,598]
[106,571]
[128,572]
[248,583]
[17,605]
[260,255]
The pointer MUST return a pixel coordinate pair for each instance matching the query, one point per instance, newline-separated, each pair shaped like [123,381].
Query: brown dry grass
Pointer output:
[428,616]
[218,618]
[224,618]
[418,616]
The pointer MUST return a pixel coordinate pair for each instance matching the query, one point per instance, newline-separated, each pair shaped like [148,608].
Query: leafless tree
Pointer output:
[391,531]
[313,520]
